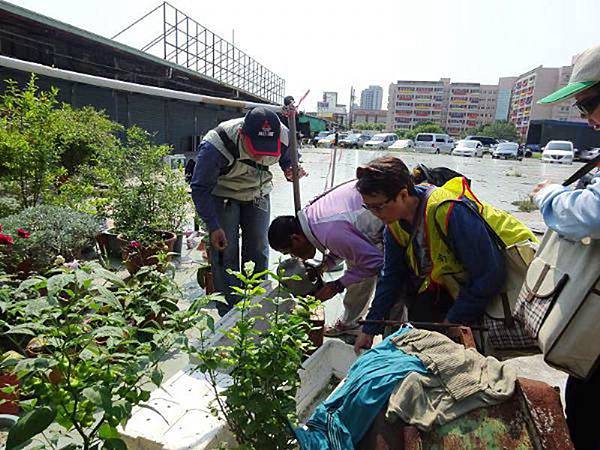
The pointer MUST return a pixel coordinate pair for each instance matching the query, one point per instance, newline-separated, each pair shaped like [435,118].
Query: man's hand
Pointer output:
[363,341]
[289,173]
[539,187]
[218,239]
[326,292]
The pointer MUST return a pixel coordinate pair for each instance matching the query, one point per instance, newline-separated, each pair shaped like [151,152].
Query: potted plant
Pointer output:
[97,351]
[33,239]
[149,199]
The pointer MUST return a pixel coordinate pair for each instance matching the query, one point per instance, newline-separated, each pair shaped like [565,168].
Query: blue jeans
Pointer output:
[254,224]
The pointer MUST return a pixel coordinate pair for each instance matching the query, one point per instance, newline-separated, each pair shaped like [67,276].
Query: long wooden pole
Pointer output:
[291,115]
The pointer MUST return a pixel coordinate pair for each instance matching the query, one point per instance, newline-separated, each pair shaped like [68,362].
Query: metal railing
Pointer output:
[186,42]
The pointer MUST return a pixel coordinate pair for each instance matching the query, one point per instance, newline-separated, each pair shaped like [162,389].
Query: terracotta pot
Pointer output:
[11,405]
[108,243]
[136,257]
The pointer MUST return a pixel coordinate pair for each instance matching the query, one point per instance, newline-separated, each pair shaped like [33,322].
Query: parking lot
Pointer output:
[499,182]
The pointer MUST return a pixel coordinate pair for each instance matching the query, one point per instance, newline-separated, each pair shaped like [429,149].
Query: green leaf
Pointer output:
[156,377]
[108,331]
[115,444]
[29,425]
[107,431]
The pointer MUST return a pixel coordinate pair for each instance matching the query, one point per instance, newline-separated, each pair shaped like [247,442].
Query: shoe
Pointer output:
[340,328]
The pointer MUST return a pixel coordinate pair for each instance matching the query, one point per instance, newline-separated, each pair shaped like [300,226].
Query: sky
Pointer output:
[333,45]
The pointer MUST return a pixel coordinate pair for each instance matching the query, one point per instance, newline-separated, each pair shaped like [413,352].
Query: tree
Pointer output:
[424,127]
[500,129]
[369,126]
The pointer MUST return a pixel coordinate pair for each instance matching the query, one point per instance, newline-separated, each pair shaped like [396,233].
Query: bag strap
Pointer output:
[582,171]
[235,152]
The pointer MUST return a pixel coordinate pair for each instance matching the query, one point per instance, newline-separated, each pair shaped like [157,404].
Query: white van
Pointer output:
[381,140]
[434,143]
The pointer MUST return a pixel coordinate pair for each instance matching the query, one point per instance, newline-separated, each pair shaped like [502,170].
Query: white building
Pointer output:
[371,98]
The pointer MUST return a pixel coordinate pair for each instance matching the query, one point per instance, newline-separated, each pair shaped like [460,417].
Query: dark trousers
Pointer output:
[582,402]
[253,222]
[429,306]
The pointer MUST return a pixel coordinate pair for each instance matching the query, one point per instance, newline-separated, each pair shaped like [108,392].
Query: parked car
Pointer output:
[354,140]
[327,141]
[321,135]
[507,150]
[558,152]
[434,143]
[381,140]
[402,144]
[589,154]
[488,143]
[468,147]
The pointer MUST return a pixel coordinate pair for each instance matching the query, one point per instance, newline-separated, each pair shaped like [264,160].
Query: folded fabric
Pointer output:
[459,380]
[342,420]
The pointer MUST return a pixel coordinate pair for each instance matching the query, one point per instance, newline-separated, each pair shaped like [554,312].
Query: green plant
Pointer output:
[500,129]
[44,144]
[525,204]
[147,195]
[30,156]
[423,127]
[96,348]
[260,404]
[369,126]
[52,231]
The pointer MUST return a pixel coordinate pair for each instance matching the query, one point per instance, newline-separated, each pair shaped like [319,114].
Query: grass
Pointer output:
[513,173]
[536,155]
[526,204]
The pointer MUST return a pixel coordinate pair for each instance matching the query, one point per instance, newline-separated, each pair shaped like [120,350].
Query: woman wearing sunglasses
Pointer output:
[575,214]
[440,260]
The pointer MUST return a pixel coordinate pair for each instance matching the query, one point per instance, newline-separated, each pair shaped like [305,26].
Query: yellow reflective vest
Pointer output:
[445,270]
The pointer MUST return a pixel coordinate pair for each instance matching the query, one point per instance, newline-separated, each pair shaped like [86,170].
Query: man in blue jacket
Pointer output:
[231,184]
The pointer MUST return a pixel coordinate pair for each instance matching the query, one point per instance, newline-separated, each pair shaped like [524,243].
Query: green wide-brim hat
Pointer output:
[568,91]
[586,73]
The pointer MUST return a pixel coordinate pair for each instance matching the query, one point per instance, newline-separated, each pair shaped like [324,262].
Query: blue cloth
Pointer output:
[473,247]
[342,420]
[574,214]
[209,162]
[254,223]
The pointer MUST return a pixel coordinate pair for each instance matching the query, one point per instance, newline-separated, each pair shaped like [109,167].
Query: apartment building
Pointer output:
[371,98]
[534,85]
[454,106]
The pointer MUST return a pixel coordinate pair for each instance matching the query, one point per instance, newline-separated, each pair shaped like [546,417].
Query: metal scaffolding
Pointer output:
[185,42]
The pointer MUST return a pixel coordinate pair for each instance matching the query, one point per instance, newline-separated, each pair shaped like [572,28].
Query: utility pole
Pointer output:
[350,109]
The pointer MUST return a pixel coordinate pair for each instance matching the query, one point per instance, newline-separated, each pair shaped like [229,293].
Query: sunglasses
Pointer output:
[587,106]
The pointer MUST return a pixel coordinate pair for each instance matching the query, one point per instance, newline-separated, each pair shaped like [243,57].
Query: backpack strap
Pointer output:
[582,171]
[234,150]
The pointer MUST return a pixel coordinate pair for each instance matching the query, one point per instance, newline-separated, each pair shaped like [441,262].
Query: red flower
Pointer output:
[6,240]
[134,244]
[22,233]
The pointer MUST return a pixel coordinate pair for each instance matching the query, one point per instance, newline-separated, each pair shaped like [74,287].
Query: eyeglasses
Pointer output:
[587,106]
[378,207]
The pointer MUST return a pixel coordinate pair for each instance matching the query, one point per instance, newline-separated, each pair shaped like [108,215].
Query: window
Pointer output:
[440,139]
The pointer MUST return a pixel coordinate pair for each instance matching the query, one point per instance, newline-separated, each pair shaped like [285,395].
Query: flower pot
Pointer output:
[108,243]
[178,247]
[137,256]
[11,403]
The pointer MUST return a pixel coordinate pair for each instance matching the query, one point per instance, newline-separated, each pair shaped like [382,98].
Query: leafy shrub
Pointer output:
[260,404]
[93,354]
[45,143]
[147,195]
[8,206]
[52,230]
